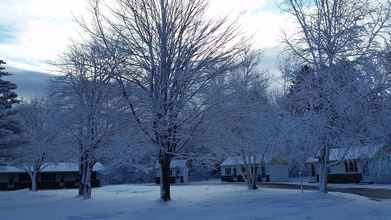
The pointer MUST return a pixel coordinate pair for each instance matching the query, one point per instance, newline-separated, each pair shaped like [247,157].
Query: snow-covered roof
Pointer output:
[238,160]
[10,169]
[51,167]
[176,163]
[351,153]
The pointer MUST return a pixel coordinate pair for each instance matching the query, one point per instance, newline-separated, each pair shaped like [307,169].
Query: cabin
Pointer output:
[53,176]
[369,164]
[269,171]
[179,171]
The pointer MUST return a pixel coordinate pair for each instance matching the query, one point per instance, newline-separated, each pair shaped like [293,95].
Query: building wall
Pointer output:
[278,173]
[349,171]
[338,168]
[275,173]
[378,171]
[4,178]
[178,174]
[46,180]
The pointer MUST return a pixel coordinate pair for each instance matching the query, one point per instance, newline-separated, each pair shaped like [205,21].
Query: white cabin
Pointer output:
[356,164]
[52,176]
[179,171]
[271,170]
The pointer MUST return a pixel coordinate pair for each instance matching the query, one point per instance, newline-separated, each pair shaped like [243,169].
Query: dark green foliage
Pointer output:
[9,125]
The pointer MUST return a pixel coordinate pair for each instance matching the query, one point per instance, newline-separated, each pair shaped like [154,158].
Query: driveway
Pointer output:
[371,193]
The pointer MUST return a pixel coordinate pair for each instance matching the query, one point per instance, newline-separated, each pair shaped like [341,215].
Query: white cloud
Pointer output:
[234,7]
[44,28]
[41,29]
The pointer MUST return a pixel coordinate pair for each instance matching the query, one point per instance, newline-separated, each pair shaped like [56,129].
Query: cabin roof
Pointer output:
[176,163]
[238,160]
[50,167]
[351,153]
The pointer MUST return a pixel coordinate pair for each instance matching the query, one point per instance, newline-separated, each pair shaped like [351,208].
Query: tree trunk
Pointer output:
[82,176]
[254,185]
[301,180]
[251,176]
[165,193]
[34,185]
[254,172]
[323,173]
[87,186]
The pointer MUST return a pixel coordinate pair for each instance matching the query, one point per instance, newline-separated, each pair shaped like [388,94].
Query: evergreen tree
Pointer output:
[9,126]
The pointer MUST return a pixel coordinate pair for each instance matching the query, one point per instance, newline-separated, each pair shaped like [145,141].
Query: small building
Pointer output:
[269,171]
[179,171]
[369,164]
[53,176]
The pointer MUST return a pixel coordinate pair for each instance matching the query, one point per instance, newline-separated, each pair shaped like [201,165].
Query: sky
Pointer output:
[34,33]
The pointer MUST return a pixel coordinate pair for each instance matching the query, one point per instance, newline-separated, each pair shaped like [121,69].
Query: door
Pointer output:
[11,181]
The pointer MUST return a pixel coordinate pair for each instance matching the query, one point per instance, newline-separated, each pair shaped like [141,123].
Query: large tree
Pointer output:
[331,110]
[168,51]
[335,38]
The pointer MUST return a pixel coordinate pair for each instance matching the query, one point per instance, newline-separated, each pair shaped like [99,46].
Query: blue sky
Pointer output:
[35,32]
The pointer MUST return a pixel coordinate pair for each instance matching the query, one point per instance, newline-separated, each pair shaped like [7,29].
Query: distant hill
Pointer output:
[30,83]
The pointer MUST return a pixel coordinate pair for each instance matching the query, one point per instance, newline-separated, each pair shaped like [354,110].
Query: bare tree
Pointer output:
[241,125]
[91,111]
[333,30]
[169,52]
[39,136]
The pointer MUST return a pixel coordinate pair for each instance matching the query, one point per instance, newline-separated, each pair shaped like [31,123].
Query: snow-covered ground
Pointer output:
[198,201]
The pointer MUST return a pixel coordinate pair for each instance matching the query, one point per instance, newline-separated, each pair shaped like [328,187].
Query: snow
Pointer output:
[351,153]
[354,152]
[238,160]
[176,163]
[199,201]
[10,169]
[51,167]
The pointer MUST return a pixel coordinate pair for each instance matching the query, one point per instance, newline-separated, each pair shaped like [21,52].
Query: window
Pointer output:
[227,171]
[263,171]
[313,173]
[24,177]
[365,169]
[234,171]
[351,166]
[346,167]
[48,177]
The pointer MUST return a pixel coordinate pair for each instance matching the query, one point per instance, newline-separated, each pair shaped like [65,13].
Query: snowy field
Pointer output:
[201,201]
